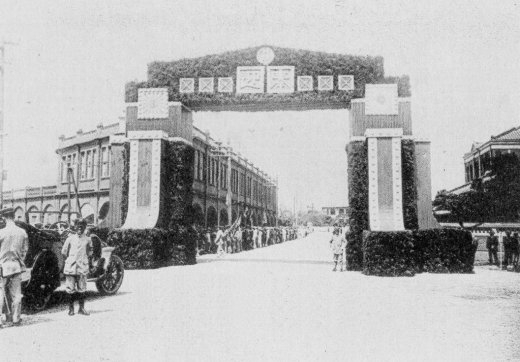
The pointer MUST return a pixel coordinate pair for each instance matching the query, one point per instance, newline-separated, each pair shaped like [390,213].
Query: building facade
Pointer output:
[479,159]
[335,210]
[225,183]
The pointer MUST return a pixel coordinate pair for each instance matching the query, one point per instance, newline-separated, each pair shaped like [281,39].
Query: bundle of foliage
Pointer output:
[389,253]
[153,248]
[444,250]
[366,69]
[176,184]
[358,202]
[410,217]
[492,198]
[404,253]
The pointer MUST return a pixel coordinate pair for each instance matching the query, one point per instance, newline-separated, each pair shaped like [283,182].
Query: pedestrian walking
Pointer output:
[492,247]
[337,244]
[77,249]
[14,244]
[219,241]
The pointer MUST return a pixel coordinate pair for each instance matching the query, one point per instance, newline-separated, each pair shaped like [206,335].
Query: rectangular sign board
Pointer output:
[280,79]
[250,79]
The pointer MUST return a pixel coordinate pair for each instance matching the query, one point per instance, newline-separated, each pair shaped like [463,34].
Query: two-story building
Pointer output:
[225,183]
[478,160]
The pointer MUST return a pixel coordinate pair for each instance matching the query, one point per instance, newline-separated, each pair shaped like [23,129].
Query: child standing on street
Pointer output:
[337,244]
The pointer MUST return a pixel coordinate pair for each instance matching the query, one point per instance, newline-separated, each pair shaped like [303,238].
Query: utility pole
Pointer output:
[2,108]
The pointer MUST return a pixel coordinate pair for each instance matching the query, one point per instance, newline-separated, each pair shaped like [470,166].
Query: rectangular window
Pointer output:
[212,172]
[223,178]
[83,166]
[105,162]
[201,166]
[249,187]
[242,184]
[92,170]
[64,169]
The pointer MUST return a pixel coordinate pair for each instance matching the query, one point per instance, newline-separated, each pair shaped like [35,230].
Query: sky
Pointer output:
[71,60]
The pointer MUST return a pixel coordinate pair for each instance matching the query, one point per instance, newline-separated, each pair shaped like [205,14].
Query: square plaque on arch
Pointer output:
[346,82]
[186,85]
[206,85]
[152,103]
[325,83]
[305,83]
[225,84]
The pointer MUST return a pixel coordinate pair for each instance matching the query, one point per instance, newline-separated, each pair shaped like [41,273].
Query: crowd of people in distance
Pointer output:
[234,239]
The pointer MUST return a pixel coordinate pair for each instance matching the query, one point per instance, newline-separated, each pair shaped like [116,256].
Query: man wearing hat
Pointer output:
[14,244]
[76,250]
[492,247]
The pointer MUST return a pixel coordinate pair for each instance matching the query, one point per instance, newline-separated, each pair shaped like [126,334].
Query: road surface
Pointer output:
[281,303]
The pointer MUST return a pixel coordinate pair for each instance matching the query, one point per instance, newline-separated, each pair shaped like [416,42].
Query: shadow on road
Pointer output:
[259,260]
[59,302]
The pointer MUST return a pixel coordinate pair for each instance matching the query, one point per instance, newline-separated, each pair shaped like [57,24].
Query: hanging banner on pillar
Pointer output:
[280,79]
[250,79]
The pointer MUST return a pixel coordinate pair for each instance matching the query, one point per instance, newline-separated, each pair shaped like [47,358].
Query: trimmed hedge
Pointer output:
[403,253]
[410,218]
[358,202]
[366,69]
[389,253]
[176,184]
[445,250]
[153,248]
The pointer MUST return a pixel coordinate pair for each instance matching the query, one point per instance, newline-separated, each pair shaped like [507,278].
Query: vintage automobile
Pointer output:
[44,264]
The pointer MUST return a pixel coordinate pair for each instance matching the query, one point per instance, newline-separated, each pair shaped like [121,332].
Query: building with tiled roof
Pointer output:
[478,160]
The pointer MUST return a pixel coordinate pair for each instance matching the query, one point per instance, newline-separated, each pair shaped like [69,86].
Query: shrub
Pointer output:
[177,183]
[445,250]
[395,253]
[153,248]
[358,202]
[409,183]
[389,253]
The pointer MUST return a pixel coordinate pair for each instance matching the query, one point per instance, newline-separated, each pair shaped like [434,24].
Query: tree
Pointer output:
[495,197]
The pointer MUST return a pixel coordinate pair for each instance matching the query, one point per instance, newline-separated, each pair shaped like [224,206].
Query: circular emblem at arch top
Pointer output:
[265,55]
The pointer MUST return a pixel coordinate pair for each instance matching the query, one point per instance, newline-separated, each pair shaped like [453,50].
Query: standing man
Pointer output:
[508,257]
[492,247]
[337,244]
[76,250]
[14,244]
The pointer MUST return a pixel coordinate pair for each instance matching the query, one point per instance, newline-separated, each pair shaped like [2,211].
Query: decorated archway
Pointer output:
[384,193]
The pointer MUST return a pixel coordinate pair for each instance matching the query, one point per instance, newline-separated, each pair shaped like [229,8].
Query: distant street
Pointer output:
[280,303]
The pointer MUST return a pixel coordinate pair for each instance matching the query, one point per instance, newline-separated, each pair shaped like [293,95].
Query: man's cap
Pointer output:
[7,211]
